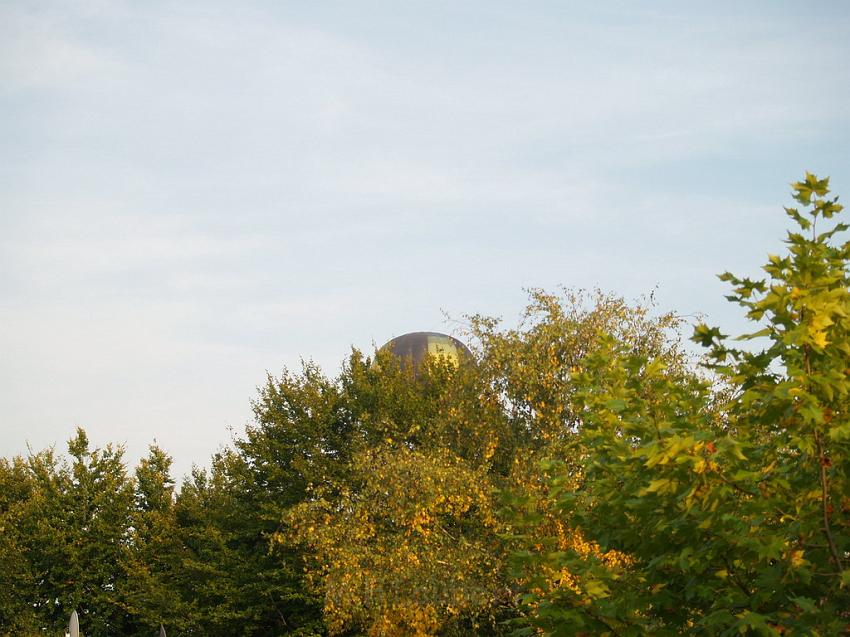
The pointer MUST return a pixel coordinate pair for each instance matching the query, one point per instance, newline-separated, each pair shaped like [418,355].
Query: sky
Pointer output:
[195,194]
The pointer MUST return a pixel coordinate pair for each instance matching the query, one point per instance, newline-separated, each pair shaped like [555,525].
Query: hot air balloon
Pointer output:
[414,347]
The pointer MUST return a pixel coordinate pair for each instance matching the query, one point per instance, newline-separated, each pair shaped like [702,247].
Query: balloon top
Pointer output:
[415,346]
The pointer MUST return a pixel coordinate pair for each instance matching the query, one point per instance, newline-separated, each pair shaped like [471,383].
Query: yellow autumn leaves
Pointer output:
[409,549]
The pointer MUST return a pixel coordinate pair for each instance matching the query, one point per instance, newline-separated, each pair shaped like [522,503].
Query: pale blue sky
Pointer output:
[192,193]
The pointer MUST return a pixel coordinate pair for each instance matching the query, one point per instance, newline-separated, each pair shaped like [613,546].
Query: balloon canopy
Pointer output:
[416,346]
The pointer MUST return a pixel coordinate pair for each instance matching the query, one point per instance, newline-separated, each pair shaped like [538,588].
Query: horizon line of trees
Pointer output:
[583,476]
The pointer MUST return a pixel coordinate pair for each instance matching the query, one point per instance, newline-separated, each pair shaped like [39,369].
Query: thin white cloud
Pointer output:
[191,193]
[37,53]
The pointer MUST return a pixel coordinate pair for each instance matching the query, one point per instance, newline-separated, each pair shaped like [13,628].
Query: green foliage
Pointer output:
[65,530]
[16,488]
[232,582]
[152,565]
[733,515]
[129,554]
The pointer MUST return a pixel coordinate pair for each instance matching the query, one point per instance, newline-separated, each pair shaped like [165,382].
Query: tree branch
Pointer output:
[824,500]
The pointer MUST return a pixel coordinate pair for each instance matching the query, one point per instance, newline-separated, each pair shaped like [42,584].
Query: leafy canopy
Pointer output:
[732,510]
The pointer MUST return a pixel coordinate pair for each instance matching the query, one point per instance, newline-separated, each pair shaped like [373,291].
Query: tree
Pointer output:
[70,529]
[153,576]
[399,516]
[732,515]
[411,549]
[234,583]
[399,526]
[16,488]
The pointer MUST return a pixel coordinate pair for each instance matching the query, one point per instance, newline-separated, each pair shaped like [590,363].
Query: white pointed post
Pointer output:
[74,625]
[161,630]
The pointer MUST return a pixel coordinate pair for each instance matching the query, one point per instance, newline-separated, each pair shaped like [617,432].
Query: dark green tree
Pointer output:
[233,580]
[73,527]
[17,615]
[153,575]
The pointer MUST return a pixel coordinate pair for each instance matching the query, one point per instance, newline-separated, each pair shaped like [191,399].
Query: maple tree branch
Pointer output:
[824,485]
[734,577]
[824,479]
